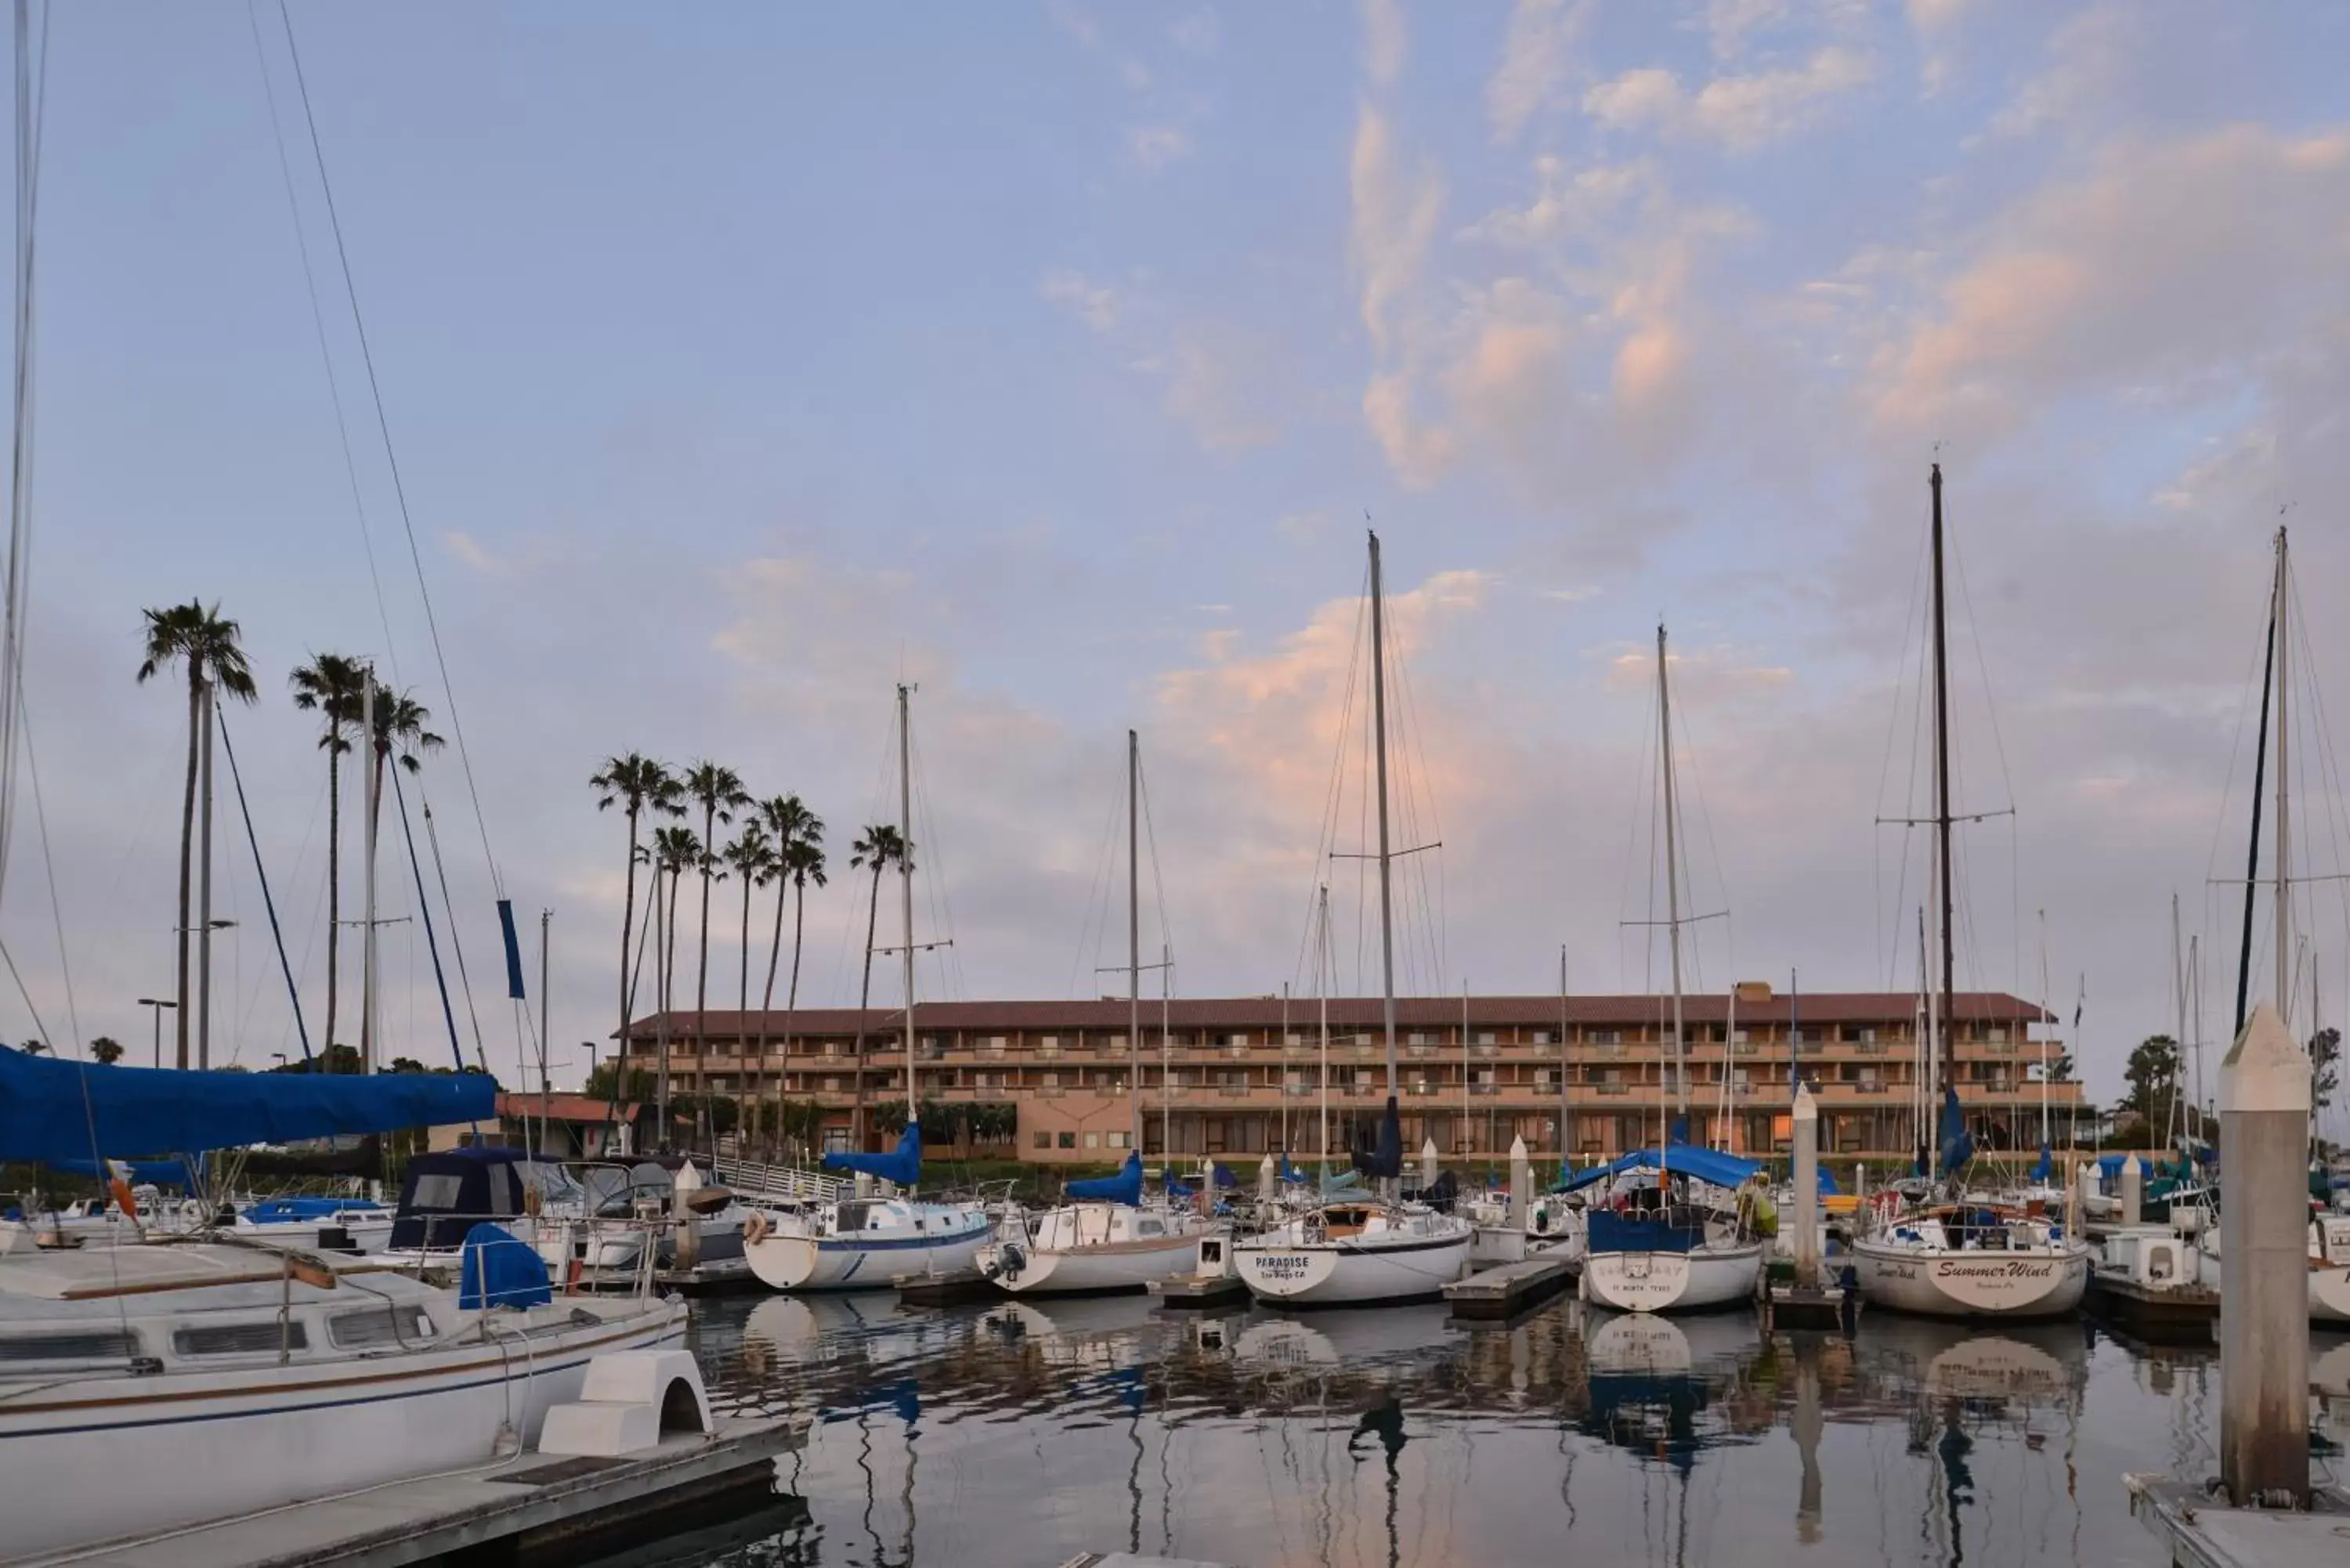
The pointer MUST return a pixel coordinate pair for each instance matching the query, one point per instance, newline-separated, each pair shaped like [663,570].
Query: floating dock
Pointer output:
[1822,1307]
[961,1288]
[2171,1314]
[1192,1293]
[513,1510]
[2201,1532]
[1127,1559]
[1505,1291]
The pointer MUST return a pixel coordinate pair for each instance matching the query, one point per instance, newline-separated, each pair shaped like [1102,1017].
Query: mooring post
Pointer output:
[1267,1180]
[1427,1164]
[2264,1265]
[2133,1191]
[1807,1189]
[1522,1184]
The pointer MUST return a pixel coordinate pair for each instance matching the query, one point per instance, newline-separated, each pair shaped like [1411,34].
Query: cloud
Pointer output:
[1094,304]
[475,556]
[2089,55]
[1383,40]
[1742,113]
[1574,596]
[1396,210]
[1533,62]
[1701,675]
[1302,527]
[1073,18]
[1196,32]
[1153,146]
[1207,389]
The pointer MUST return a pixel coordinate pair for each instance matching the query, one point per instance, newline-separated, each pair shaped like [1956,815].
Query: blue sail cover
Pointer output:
[903,1165]
[2047,1166]
[1827,1181]
[1125,1187]
[52,1111]
[1705,1164]
[1384,1158]
[1957,1145]
[148,1172]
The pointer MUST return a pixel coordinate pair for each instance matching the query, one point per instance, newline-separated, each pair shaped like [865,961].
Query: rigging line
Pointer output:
[456,941]
[391,460]
[49,864]
[39,1028]
[1327,837]
[1909,627]
[31,99]
[1431,912]
[325,353]
[261,874]
[1158,882]
[424,911]
[1097,899]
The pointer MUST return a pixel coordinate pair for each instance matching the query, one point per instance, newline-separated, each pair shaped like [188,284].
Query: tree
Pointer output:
[637,785]
[2060,1067]
[2152,1075]
[719,791]
[399,740]
[335,687]
[207,647]
[676,850]
[34,1048]
[106,1050]
[879,847]
[798,835]
[752,858]
[2325,1066]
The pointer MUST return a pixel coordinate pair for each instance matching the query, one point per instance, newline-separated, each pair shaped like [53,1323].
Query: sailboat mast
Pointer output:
[906,881]
[1942,803]
[1672,877]
[1380,725]
[1322,995]
[2283,786]
[1564,1141]
[1134,943]
[2044,1014]
[2178,977]
[2252,846]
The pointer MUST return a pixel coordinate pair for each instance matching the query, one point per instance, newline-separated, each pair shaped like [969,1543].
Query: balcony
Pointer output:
[1611,1088]
[1486,1088]
[1486,1048]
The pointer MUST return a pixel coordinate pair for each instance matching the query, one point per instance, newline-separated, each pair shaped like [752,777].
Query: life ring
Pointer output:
[754,1228]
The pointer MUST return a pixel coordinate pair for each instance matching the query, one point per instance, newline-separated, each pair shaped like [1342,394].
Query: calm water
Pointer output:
[1020,1435]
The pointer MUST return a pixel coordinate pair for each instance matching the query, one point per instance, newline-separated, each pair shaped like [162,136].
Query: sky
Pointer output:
[740,363]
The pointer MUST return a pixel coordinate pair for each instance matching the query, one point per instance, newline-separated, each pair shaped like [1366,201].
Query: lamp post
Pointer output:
[155,1004]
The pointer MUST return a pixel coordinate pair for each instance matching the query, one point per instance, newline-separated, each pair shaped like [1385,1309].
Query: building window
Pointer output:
[1093,1140]
[1486,1037]
[1049,1081]
[1542,1038]
[1069,1140]
[1044,1140]
[832,1085]
[1119,1140]
[1415,1038]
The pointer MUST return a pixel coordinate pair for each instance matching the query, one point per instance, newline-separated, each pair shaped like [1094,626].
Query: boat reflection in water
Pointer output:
[1036,1430]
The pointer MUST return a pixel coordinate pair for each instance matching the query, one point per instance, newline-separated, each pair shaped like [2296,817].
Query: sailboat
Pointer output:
[1104,1239]
[1968,1259]
[2329,1234]
[1675,1238]
[1362,1250]
[851,1241]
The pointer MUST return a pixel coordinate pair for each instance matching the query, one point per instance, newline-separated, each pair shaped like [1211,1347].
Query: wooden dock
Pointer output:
[1193,1293]
[2176,1314]
[1823,1307]
[960,1288]
[2201,1532]
[1505,1291]
[517,1509]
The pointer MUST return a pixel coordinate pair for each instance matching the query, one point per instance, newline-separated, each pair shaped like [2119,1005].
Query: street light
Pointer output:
[157,1004]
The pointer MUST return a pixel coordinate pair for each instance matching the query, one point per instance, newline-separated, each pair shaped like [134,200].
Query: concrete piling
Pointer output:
[1522,1178]
[2133,1191]
[1268,1184]
[1807,1189]
[1427,1164]
[2264,1269]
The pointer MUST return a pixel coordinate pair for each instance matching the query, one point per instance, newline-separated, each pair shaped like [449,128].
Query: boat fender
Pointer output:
[754,1228]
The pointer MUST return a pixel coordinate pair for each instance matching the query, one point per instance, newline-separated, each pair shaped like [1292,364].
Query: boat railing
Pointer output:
[757,1183]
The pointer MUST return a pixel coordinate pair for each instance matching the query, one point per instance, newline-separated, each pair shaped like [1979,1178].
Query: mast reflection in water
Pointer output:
[1026,1432]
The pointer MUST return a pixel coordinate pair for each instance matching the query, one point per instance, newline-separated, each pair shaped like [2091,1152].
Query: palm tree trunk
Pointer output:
[767,998]
[701,976]
[627,927]
[668,965]
[334,875]
[376,756]
[187,850]
[864,999]
[742,1008]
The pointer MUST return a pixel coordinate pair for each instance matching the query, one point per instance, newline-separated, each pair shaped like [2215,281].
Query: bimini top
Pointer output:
[52,1110]
[903,1165]
[1705,1164]
[446,1194]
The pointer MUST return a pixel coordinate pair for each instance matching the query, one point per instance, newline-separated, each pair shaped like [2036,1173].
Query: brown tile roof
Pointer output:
[562,1107]
[1354,1013]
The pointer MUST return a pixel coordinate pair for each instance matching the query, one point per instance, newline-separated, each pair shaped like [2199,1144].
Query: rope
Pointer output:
[424,912]
[262,873]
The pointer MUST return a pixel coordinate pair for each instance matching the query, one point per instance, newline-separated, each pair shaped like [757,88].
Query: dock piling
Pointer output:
[1807,1189]
[1522,1177]
[2133,1191]
[2263,1279]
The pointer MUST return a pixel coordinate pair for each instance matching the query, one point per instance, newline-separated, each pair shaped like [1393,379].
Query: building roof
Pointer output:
[1353,1013]
[565,1107]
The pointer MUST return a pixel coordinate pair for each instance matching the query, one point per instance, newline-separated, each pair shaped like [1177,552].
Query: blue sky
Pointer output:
[739,361]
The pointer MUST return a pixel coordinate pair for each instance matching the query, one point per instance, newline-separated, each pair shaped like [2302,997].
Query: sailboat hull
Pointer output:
[1104,1269]
[1698,1280]
[860,1262]
[1936,1281]
[1341,1273]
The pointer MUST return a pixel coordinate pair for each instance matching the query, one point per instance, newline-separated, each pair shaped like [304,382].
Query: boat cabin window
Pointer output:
[440,1190]
[852,1215]
[1148,1228]
[74,1345]
[240,1338]
[384,1325]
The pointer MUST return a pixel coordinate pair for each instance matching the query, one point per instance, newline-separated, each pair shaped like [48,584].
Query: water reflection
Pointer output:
[1026,1432]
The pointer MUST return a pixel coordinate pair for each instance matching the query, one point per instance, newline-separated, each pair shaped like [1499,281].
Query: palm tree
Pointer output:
[400,738]
[106,1050]
[207,646]
[755,862]
[335,687]
[881,847]
[719,791]
[674,850]
[638,785]
[799,850]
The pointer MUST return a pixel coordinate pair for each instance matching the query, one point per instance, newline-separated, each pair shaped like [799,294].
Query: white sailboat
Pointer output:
[867,1242]
[1970,1258]
[1676,1238]
[1363,1250]
[1104,1240]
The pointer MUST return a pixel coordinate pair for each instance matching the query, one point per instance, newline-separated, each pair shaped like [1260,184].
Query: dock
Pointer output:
[1793,1306]
[1505,1291]
[1193,1292]
[2201,1532]
[2173,1314]
[961,1288]
[513,1510]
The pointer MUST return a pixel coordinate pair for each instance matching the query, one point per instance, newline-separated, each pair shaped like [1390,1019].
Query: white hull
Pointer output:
[1934,1281]
[1120,1266]
[1695,1281]
[1344,1274]
[2329,1285]
[854,1262]
[210,1446]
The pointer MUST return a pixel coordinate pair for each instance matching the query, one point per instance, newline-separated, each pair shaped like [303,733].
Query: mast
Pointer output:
[1672,887]
[1322,995]
[1467,1138]
[367,940]
[1380,724]
[2259,761]
[2178,977]
[1942,810]
[1283,1071]
[2283,787]
[2044,1010]
[1922,1069]
[204,909]
[1564,1142]
[1134,943]
[1167,1052]
[906,882]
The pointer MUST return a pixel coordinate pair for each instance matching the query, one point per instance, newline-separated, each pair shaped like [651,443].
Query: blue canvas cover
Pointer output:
[1705,1164]
[154,1172]
[903,1165]
[1827,1182]
[1384,1158]
[445,1195]
[1125,1187]
[52,1111]
[1621,1233]
[2047,1166]
[1958,1145]
[500,1268]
